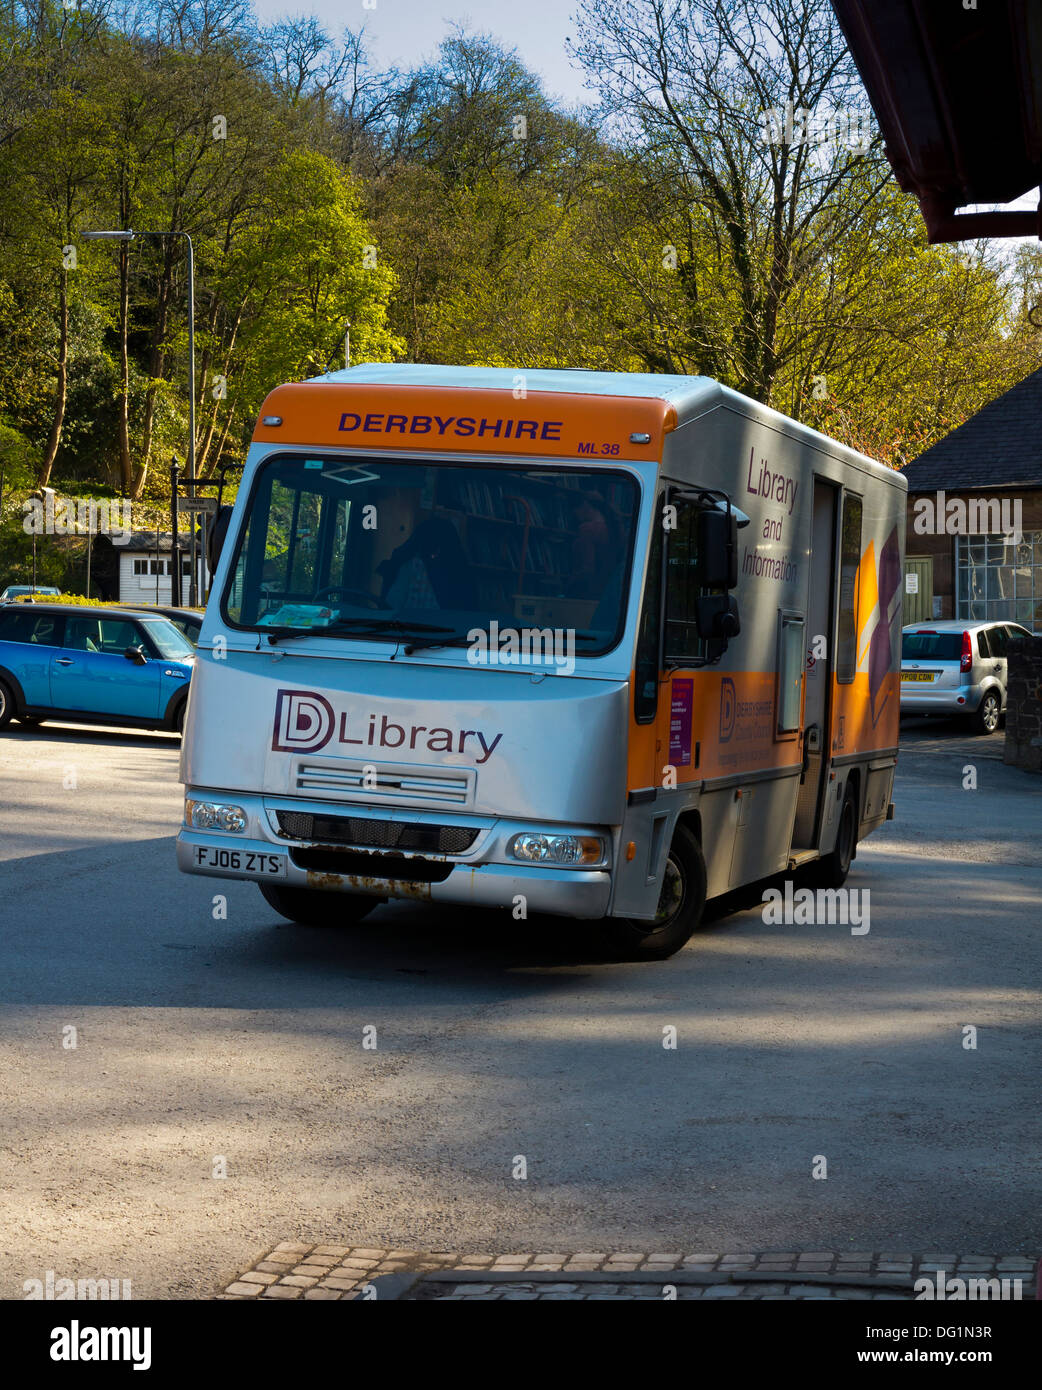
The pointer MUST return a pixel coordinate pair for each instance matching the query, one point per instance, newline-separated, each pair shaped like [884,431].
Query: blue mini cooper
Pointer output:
[92,666]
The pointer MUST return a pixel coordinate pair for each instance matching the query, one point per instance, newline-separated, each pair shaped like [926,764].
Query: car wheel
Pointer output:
[6,706]
[311,908]
[680,906]
[831,871]
[986,719]
[179,717]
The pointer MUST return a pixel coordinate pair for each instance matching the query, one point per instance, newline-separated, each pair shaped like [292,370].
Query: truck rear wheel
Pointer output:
[680,907]
[311,908]
[831,871]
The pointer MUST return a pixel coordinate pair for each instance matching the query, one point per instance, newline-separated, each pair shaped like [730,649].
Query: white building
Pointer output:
[146,569]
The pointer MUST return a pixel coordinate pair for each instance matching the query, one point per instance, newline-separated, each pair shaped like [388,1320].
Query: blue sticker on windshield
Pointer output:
[312,463]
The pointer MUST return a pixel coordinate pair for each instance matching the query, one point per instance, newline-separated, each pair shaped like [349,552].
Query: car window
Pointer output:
[998,638]
[1015,630]
[984,642]
[23,625]
[931,646]
[168,642]
[111,635]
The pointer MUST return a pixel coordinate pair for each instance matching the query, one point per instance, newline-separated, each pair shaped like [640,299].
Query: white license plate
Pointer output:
[246,861]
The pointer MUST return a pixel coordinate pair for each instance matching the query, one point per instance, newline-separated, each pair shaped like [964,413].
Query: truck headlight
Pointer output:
[536,847]
[214,815]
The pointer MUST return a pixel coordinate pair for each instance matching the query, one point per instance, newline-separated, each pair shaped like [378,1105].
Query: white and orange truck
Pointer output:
[601,645]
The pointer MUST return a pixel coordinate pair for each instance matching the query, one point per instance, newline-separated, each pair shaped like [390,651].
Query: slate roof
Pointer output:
[145,541]
[1000,446]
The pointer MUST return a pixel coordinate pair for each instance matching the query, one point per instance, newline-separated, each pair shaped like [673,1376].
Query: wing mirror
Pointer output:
[716,617]
[136,655]
[215,540]
[718,549]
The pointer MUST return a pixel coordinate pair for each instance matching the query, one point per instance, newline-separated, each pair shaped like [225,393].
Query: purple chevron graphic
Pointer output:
[880,650]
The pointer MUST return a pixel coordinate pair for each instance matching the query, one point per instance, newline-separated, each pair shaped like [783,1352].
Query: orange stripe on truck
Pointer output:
[733,725]
[454,420]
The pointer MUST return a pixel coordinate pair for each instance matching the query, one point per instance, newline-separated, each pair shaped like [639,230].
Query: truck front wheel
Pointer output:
[311,908]
[680,907]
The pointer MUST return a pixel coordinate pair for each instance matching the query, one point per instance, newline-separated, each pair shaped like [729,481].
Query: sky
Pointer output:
[403,32]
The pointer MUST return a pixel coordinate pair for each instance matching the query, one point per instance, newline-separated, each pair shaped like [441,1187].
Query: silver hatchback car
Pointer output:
[956,667]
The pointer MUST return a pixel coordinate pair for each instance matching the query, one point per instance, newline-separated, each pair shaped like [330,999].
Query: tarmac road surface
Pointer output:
[236,1043]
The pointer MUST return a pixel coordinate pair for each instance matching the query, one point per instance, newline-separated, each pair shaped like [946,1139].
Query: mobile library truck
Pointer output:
[593,644]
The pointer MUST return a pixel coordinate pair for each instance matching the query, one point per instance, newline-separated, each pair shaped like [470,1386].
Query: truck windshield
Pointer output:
[384,549]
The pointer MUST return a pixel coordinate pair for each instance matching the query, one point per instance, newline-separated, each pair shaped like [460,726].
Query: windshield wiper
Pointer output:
[366,626]
[451,636]
[457,636]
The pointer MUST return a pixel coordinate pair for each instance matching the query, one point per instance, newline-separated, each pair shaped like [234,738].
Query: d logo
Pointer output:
[303,722]
[728,702]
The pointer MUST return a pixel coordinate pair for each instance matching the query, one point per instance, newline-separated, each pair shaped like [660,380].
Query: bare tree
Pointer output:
[725,103]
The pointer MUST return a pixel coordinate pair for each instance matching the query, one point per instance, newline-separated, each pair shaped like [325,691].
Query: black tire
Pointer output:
[179,716]
[681,904]
[6,705]
[309,907]
[986,718]
[831,871]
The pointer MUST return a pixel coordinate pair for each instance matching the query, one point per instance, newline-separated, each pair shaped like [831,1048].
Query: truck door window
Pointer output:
[683,644]
[646,666]
[849,560]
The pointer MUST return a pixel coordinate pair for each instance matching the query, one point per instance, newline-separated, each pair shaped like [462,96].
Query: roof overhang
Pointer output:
[958,95]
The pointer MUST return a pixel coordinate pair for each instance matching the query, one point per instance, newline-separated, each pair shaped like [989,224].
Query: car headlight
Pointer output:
[535,847]
[214,815]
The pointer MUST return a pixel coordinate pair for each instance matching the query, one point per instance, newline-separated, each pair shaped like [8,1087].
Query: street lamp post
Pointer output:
[128,235]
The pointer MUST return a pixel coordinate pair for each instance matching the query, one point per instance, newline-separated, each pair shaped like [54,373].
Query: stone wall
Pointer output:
[1024,704]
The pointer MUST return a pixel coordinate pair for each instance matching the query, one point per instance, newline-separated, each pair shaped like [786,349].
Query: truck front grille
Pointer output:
[375,834]
[378,783]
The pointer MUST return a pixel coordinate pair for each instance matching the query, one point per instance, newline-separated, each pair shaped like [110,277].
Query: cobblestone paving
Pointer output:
[331,1272]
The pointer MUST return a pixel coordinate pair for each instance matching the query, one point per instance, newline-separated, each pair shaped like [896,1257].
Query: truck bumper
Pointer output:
[582,893]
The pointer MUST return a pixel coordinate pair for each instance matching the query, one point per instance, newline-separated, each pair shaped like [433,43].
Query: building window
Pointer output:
[140,566]
[999,580]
